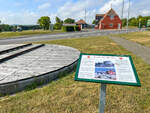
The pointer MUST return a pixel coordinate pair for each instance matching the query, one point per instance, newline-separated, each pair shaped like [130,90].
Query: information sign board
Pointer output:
[107,69]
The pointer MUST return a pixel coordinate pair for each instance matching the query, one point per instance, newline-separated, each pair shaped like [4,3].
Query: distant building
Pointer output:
[81,23]
[110,20]
[148,23]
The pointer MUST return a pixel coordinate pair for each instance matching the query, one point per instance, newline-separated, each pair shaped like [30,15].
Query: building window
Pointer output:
[110,25]
[112,17]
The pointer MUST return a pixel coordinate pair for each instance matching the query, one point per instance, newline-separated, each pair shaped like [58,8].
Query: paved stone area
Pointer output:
[42,60]
[137,49]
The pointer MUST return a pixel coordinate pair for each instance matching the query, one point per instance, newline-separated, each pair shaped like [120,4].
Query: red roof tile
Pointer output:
[81,22]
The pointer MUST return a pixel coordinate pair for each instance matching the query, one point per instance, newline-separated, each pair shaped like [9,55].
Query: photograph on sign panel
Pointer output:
[105,70]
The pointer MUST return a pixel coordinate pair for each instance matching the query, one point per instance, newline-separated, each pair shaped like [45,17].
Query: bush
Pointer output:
[0,30]
[70,28]
[57,26]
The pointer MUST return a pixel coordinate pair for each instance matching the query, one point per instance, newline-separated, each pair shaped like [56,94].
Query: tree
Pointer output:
[124,22]
[44,22]
[0,21]
[69,21]
[58,23]
[58,20]
[142,21]
[133,21]
[94,22]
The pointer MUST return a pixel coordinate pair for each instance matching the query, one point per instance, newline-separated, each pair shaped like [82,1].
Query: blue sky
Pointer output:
[28,11]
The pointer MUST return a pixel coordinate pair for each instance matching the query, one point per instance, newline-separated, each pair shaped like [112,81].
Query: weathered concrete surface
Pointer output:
[4,47]
[43,64]
[137,49]
[17,51]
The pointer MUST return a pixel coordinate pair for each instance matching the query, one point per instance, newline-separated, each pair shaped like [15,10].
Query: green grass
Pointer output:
[68,96]
[130,27]
[24,33]
[139,37]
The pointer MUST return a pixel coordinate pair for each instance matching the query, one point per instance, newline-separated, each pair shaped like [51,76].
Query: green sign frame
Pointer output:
[108,81]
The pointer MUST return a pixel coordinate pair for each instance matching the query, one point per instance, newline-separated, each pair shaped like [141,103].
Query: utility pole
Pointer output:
[128,16]
[85,14]
[122,9]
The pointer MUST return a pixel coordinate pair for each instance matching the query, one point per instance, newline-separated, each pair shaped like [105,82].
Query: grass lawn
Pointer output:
[68,96]
[27,32]
[139,37]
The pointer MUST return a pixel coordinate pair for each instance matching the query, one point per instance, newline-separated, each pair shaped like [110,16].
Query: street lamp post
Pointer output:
[122,9]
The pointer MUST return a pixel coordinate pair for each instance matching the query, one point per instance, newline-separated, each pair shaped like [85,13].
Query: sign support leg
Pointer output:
[102,98]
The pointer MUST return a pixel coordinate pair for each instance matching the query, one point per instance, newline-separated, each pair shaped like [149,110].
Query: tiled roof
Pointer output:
[100,14]
[111,11]
[81,22]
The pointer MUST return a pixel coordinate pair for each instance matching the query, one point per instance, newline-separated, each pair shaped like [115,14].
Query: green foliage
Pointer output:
[69,21]
[133,22]
[70,28]
[140,21]
[124,22]
[58,20]
[6,27]
[93,22]
[44,22]
[58,24]
[30,27]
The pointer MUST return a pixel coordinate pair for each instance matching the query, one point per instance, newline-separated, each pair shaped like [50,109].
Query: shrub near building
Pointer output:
[70,28]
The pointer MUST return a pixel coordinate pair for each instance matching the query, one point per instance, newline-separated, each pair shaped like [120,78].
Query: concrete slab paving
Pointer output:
[42,60]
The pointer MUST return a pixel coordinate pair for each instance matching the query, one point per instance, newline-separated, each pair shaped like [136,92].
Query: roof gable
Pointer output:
[109,13]
[81,22]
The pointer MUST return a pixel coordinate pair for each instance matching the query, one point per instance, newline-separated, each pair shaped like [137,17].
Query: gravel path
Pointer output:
[137,49]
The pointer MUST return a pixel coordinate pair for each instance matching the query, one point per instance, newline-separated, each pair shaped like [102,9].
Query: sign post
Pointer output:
[106,69]
[102,98]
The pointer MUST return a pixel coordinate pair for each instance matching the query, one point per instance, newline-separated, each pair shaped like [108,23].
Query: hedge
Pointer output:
[70,28]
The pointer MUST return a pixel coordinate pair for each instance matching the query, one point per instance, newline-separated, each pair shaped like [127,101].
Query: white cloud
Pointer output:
[73,9]
[117,6]
[44,6]
[25,17]
[145,12]
[77,10]
[107,6]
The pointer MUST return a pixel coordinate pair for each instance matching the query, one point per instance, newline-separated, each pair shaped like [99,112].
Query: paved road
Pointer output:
[137,49]
[46,37]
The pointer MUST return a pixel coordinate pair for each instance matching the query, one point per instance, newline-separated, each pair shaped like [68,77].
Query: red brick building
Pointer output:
[110,20]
